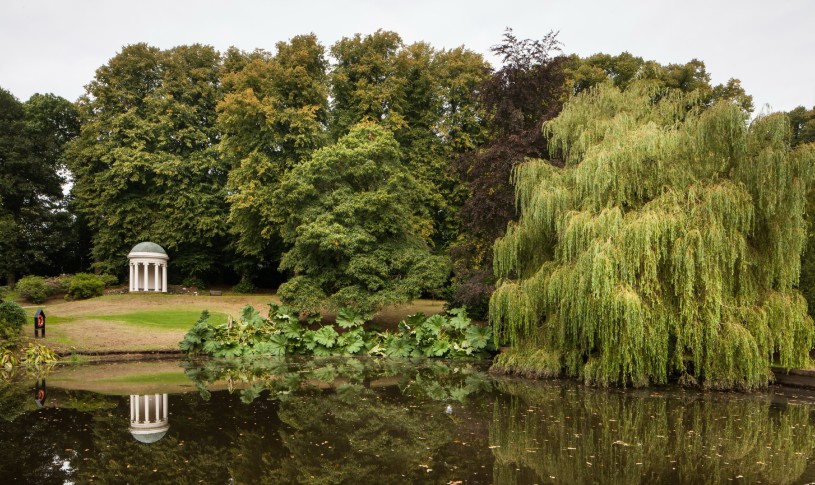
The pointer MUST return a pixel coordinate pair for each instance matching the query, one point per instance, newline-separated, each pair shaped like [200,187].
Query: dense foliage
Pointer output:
[12,319]
[360,174]
[668,244]
[74,286]
[802,122]
[146,164]
[272,117]
[35,228]
[357,231]
[84,285]
[528,90]
[33,288]
[284,333]
[425,97]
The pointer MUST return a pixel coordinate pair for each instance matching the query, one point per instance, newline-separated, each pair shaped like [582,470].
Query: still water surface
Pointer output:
[334,421]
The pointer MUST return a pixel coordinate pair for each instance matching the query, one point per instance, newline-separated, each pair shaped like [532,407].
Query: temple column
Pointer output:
[166,412]
[146,277]
[155,276]
[136,276]
[164,277]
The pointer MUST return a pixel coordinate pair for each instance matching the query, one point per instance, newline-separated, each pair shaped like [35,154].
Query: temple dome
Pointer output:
[148,438]
[148,247]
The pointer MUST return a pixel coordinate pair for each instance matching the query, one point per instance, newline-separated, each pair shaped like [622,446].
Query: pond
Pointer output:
[352,420]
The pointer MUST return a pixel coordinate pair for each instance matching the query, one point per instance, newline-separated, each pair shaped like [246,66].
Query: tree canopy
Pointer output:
[34,225]
[357,235]
[364,169]
[146,164]
[516,100]
[272,117]
[668,245]
[424,96]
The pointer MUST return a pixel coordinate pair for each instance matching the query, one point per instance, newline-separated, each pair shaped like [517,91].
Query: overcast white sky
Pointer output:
[56,45]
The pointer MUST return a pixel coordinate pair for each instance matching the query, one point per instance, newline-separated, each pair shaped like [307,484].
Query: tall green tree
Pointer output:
[625,68]
[803,125]
[146,164]
[34,224]
[668,245]
[273,116]
[357,232]
[425,97]
[802,122]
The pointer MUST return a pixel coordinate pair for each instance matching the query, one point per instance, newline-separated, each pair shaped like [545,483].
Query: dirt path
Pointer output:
[84,332]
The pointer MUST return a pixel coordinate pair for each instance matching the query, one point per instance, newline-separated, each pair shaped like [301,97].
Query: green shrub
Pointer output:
[33,289]
[193,282]
[244,287]
[58,284]
[12,319]
[85,285]
[4,292]
[452,335]
[108,280]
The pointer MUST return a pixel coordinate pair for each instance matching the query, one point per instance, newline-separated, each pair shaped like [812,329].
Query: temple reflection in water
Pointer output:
[148,417]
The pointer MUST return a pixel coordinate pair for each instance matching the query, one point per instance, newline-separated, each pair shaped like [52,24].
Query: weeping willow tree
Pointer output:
[668,244]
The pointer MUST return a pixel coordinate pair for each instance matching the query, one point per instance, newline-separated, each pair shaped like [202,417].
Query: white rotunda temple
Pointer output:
[148,267]
[149,417]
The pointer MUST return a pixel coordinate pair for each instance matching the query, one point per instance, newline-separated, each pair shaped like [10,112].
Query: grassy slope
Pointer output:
[142,322]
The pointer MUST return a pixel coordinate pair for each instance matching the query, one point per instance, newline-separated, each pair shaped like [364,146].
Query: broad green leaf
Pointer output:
[326,336]
[292,329]
[435,323]
[275,345]
[477,337]
[438,349]
[348,318]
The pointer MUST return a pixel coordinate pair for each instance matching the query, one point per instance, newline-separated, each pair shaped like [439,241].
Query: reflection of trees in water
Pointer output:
[198,449]
[354,435]
[340,421]
[15,400]
[373,422]
[419,378]
[34,443]
[581,435]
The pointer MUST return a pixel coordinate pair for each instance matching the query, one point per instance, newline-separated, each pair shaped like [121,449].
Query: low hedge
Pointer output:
[85,285]
[33,288]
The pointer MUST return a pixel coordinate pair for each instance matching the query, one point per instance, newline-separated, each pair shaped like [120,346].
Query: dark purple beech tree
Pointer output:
[529,89]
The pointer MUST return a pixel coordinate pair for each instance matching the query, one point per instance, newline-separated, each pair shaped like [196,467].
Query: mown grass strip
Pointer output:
[165,319]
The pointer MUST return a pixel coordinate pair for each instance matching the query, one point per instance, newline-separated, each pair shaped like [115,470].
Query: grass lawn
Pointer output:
[149,322]
[161,319]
